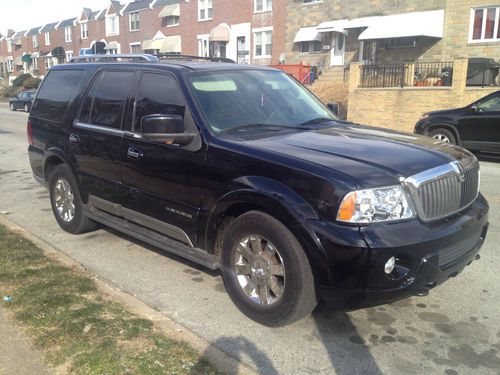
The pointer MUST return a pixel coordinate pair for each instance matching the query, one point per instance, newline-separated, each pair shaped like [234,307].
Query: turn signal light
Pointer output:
[347,207]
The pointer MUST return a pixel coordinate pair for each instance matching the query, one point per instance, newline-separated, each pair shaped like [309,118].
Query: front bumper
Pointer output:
[427,255]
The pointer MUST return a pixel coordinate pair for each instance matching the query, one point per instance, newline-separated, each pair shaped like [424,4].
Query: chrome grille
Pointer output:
[444,190]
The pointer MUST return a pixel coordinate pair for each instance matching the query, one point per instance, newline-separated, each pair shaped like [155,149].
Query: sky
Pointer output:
[23,14]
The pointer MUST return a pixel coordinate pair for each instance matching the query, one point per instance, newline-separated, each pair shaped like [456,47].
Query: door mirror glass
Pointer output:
[473,108]
[168,129]
[334,108]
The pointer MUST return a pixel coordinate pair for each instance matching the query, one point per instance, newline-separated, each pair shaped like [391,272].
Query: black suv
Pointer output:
[241,168]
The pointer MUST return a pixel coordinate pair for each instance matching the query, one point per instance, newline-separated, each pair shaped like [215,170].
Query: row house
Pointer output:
[246,31]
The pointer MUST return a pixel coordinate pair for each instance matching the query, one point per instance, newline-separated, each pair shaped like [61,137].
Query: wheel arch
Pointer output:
[276,200]
[447,126]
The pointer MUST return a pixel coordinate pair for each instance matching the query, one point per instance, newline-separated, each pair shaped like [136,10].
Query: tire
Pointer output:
[26,108]
[279,280]
[66,202]
[443,135]
[11,106]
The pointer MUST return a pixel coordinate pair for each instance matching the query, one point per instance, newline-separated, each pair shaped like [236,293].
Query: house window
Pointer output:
[18,47]
[405,42]
[9,46]
[35,41]
[84,30]
[205,10]
[172,20]
[35,63]
[311,46]
[112,25]
[10,65]
[67,34]
[134,21]
[203,46]
[136,48]
[49,63]
[485,24]
[263,41]
[263,5]
[47,38]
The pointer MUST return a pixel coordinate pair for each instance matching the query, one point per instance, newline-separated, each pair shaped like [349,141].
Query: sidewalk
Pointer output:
[16,355]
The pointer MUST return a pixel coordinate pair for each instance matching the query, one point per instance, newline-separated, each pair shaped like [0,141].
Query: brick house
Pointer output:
[247,31]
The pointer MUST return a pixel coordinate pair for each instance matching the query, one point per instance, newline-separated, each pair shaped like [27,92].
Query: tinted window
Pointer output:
[58,90]
[490,105]
[105,101]
[158,94]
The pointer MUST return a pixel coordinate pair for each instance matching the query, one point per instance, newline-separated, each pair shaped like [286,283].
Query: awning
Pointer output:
[18,61]
[170,10]
[362,22]
[429,24]
[171,44]
[18,42]
[220,33]
[307,34]
[337,25]
[152,44]
[46,53]
[26,58]
[111,45]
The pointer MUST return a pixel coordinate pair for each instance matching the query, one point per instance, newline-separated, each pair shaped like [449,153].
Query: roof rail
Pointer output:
[169,56]
[140,57]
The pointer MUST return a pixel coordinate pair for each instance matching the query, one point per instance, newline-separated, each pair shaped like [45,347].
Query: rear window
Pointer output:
[58,90]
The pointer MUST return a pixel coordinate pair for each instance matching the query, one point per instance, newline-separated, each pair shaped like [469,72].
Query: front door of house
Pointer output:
[241,50]
[337,50]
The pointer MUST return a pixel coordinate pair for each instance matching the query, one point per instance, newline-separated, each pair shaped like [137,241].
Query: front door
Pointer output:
[338,50]
[480,128]
[241,50]
[162,182]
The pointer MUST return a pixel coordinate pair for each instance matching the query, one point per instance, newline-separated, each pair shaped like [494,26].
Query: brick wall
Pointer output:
[399,108]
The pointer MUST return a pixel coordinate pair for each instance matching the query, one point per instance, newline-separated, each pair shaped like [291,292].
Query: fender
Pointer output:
[54,151]
[279,201]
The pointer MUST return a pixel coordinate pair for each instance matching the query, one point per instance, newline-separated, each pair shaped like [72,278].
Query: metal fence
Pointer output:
[407,74]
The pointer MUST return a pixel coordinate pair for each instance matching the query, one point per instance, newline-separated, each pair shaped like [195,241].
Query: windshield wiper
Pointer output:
[260,126]
[318,120]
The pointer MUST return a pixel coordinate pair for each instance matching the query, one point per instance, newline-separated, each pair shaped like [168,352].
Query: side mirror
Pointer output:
[473,108]
[165,129]
[334,108]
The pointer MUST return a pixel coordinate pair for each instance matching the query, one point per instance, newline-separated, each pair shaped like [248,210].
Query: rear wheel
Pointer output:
[443,135]
[66,202]
[11,106]
[266,271]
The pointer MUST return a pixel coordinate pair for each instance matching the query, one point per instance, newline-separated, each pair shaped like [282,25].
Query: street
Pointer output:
[454,330]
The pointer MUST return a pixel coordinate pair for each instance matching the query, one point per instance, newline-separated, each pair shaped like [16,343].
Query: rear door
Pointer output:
[480,129]
[95,138]
[162,183]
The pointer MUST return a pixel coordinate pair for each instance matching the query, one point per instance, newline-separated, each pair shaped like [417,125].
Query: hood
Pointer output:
[445,112]
[372,156]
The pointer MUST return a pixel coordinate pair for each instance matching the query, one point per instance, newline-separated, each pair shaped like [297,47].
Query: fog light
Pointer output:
[389,265]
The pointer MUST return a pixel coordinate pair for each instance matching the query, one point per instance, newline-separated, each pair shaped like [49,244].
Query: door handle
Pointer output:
[74,138]
[133,153]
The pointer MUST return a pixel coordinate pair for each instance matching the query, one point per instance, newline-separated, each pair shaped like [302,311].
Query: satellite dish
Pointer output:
[282,58]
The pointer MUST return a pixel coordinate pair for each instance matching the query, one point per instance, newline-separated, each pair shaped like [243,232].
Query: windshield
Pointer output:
[255,99]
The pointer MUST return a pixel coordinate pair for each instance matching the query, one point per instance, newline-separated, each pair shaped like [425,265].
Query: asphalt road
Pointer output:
[456,329]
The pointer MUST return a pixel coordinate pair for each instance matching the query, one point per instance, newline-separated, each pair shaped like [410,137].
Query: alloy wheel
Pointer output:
[441,137]
[260,270]
[64,200]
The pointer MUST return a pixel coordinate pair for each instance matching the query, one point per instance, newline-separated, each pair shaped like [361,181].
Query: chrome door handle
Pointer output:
[133,153]
[74,138]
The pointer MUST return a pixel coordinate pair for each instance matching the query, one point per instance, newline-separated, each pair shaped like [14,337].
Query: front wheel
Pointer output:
[443,135]
[66,202]
[266,271]
[11,106]
[26,108]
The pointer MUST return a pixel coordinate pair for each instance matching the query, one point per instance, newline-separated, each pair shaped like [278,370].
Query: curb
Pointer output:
[220,359]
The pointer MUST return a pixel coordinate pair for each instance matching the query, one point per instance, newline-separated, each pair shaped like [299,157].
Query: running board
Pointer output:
[156,239]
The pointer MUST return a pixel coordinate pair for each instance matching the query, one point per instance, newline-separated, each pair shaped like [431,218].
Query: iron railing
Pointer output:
[407,74]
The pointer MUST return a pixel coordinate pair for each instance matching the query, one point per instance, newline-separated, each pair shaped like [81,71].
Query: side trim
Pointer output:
[99,129]
[159,226]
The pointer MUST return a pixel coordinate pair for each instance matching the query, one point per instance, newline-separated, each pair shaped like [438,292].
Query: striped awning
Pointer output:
[170,10]
[171,44]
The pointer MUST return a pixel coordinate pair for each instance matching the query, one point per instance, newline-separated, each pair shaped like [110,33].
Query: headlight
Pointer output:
[424,116]
[375,205]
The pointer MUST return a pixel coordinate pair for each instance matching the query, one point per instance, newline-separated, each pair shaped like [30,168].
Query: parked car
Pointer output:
[240,168]
[475,127]
[23,101]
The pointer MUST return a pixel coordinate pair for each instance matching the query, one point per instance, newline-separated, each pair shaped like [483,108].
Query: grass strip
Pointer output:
[77,328]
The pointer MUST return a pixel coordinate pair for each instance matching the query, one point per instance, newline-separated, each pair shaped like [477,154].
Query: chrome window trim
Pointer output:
[99,129]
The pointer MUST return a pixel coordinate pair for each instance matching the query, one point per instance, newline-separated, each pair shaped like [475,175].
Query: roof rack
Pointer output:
[169,56]
[140,57]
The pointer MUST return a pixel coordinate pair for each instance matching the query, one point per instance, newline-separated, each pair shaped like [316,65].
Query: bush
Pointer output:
[19,81]
[31,83]
[10,91]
